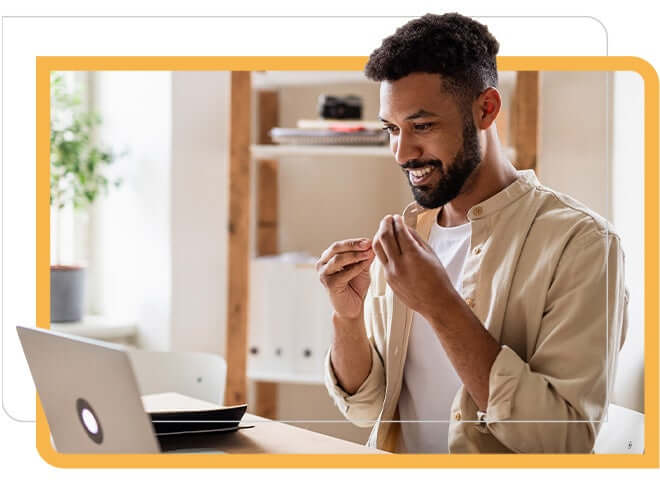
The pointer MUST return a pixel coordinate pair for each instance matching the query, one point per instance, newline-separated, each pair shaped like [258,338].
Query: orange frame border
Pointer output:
[44,65]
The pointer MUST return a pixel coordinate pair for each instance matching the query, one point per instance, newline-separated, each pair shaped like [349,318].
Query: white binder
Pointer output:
[306,341]
[290,323]
[258,313]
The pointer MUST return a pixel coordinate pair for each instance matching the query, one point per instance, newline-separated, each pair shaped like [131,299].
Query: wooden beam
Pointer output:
[267,224]
[267,171]
[267,201]
[268,110]
[238,237]
[525,119]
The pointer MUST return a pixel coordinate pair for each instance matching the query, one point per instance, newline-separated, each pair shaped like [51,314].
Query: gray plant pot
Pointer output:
[67,287]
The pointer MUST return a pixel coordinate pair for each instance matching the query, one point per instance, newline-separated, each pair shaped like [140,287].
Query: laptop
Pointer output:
[92,401]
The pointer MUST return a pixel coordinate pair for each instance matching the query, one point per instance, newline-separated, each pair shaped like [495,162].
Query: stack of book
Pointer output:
[332,132]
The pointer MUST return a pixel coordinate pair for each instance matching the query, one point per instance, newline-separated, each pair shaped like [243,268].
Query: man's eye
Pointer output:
[390,128]
[423,126]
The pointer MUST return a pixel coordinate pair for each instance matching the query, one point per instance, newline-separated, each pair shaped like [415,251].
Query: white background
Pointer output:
[631,30]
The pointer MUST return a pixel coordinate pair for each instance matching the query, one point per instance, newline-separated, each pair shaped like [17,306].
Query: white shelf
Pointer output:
[99,328]
[286,378]
[262,152]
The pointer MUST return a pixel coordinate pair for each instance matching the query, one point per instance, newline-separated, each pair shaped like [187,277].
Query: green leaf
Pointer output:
[78,164]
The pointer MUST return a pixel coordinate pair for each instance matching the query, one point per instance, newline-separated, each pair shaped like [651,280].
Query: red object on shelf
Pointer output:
[339,128]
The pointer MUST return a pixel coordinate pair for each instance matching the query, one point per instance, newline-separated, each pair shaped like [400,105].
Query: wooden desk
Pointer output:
[267,436]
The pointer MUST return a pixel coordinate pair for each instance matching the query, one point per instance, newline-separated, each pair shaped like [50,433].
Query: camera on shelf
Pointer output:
[340,108]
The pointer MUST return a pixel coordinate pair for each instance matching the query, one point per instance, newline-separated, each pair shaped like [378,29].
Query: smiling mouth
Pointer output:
[419,176]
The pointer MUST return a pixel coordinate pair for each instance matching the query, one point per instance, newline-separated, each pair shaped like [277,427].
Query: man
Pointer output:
[488,317]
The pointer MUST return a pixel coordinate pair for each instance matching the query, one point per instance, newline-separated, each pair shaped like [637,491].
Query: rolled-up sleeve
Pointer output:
[363,407]
[553,403]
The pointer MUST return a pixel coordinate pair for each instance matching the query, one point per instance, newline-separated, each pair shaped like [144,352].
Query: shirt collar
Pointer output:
[526,181]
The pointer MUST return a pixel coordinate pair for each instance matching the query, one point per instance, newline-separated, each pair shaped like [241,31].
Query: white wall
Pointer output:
[627,161]
[130,233]
[573,135]
[199,210]
[160,240]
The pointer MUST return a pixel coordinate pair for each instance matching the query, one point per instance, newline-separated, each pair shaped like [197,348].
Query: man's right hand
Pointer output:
[344,271]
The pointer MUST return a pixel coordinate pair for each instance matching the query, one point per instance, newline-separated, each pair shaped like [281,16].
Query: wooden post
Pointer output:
[267,201]
[267,215]
[525,118]
[238,238]
[267,177]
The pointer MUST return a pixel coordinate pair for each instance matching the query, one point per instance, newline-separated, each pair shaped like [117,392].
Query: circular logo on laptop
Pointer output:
[89,421]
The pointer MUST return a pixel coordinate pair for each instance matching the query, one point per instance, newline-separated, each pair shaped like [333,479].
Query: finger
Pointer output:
[395,236]
[387,239]
[378,250]
[406,241]
[337,247]
[342,260]
[355,244]
[342,278]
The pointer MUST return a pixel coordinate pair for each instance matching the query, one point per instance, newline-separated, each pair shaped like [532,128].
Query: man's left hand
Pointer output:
[412,269]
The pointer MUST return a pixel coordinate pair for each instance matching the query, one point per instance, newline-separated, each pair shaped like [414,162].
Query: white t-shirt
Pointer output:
[429,379]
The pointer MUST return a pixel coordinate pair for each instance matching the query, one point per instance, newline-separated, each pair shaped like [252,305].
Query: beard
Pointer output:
[455,175]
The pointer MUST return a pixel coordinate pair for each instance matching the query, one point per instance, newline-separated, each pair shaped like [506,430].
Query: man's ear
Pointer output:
[488,106]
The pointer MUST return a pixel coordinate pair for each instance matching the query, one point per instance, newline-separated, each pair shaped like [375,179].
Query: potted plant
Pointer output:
[77,176]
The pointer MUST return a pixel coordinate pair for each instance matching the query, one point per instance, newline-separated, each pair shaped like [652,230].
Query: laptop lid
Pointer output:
[89,393]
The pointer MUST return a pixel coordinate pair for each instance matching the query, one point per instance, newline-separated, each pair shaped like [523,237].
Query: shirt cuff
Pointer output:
[369,389]
[502,384]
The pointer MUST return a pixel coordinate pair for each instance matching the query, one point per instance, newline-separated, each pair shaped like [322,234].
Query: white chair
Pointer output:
[195,374]
[622,430]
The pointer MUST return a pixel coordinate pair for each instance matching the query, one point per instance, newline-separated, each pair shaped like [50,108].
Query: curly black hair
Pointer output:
[459,49]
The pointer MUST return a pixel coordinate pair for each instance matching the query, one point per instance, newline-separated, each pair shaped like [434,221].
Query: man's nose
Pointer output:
[405,148]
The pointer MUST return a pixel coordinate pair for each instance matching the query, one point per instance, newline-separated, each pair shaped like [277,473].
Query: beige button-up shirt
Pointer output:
[545,276]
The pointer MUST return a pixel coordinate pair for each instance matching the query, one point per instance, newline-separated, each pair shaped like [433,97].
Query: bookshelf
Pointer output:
[522,134]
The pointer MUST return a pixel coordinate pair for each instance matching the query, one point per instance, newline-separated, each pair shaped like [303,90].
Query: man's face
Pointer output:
[433,138]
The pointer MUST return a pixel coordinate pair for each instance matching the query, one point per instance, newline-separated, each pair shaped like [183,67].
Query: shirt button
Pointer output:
[457,416]
[478,211]
[469,301]
[477,250]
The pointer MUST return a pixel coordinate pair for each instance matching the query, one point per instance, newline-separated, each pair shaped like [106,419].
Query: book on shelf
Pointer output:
[339,124]
[328,136]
